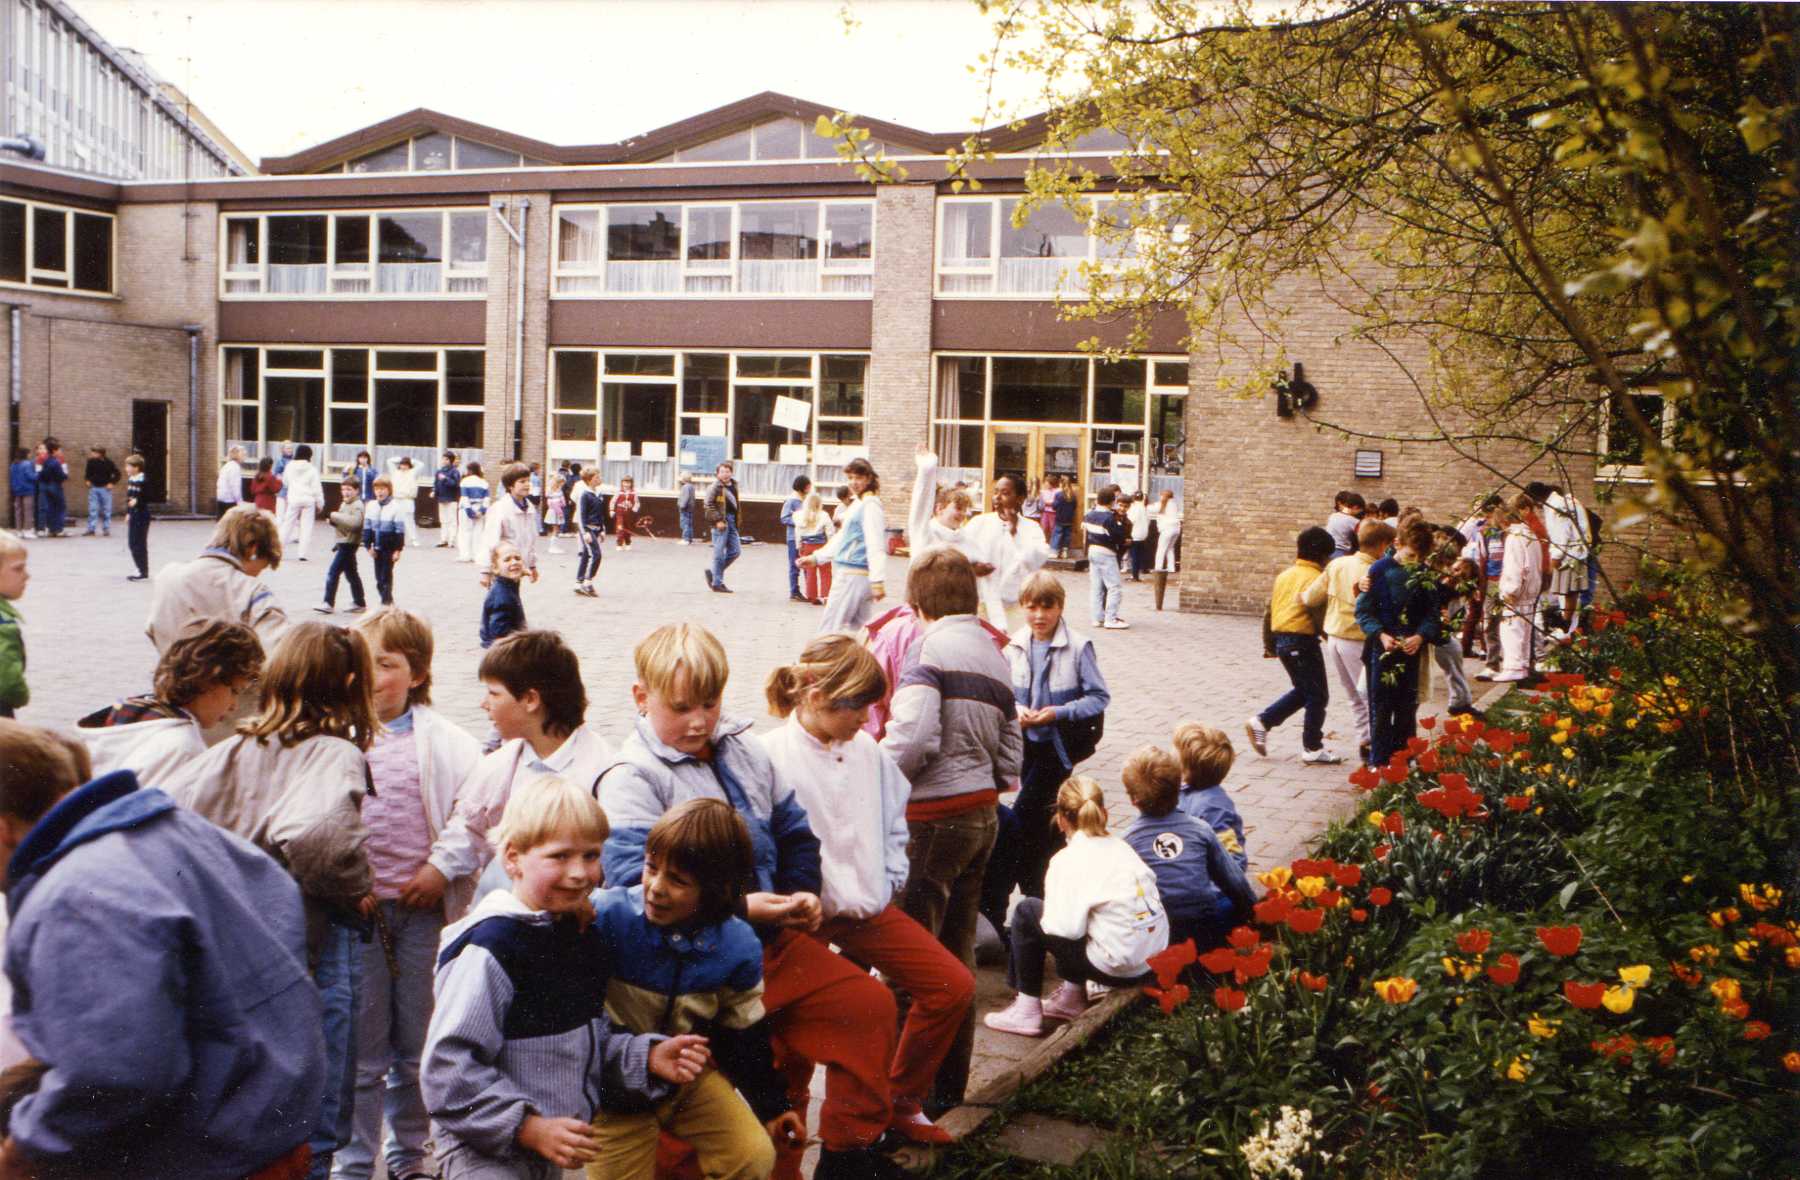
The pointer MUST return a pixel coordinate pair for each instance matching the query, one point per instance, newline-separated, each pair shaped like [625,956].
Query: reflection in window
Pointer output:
[93,252]
[1043,255]
[297,255]
[396,158]
[705,388]
[12,242]
[777,246]
[1039,389]
[1119,391]
[411,253]
[841,386]
[49,243]
[431,153]
[577,380]
[643,248]
[296,408]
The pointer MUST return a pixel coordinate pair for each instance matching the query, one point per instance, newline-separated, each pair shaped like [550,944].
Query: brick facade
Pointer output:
[899,388]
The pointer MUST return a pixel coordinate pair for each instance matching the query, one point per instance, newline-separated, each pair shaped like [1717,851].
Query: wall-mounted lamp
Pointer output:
[1294,393]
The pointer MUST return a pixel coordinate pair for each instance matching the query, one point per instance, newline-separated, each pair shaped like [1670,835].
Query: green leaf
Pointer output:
[1568,894]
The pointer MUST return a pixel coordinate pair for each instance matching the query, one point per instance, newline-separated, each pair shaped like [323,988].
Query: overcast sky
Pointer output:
[281,75]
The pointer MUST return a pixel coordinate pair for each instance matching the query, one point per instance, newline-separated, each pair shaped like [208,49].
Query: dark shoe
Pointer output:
[138,578]
[1363,752]
[708,573]
[863,1164]
[798,598]
[722,588]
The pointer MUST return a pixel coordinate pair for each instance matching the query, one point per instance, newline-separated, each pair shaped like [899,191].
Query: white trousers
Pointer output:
[468,537]
[850,606]
[1449,657]
[1165,549]
[1517,635]
[448,516]
[412,524]
[299,525]
[1346,658]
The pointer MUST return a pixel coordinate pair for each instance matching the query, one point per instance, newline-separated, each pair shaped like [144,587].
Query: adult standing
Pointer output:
[1012,545]
[305,496]
[229,491]
[722,514]
[101,474]
[446,489]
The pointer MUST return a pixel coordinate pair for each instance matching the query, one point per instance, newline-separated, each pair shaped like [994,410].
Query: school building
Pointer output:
[721,287]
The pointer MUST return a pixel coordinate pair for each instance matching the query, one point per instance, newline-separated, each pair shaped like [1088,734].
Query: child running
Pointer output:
[590,520]
[1201,885]
[1206,756]
[855,799]
[520,1053]
[347,522]
[1101,918]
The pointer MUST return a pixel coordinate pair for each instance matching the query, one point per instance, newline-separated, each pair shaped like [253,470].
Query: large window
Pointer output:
[655,415]
[984,249]
[433,152]
[757,248]
[403,254]
[56,246]
[389,401]
[781,139]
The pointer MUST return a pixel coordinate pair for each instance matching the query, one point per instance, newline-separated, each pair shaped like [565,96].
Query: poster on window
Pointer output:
[791,413]
[617,450]
[702,452]
[1125,470]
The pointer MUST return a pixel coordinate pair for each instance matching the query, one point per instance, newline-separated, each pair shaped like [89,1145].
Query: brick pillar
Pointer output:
[899,393]
[502,302]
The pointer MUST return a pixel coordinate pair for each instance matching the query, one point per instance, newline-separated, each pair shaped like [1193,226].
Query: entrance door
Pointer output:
[150,438]
[1029,453]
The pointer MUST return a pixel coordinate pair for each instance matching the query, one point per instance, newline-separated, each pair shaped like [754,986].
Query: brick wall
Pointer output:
[502,302]
[899,390]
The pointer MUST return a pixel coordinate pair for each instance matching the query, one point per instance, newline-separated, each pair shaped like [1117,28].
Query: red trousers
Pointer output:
[818,577]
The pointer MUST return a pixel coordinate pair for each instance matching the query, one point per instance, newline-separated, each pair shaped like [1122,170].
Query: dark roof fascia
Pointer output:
[38,183]
[405,126]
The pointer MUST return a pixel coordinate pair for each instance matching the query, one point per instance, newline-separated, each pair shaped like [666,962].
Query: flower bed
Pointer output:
[1560,942]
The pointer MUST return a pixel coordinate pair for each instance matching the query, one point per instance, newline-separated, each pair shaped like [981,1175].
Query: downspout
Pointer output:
[15,374]
[518,344]
[193,335]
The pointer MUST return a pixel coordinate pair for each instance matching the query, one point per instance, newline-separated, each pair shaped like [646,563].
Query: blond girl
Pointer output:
[812,528]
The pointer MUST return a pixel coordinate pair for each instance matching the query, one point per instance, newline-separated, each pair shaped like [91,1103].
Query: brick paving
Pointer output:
[86,647]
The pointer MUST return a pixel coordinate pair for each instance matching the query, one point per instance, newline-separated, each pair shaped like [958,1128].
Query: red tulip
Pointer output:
[1229,999]
[1561,941]
[1273,909]
[1394,824]
[1364,779]
[1393,774]
[1169,964]
[1583,995]
[1756,1030]
[1382,850]
[1305,867]
[1429,762]
[1380,895]
[1254,965]
[1169,998]
[1428,723]
[1347,875]
[1243,937]
[1311,982]
[1358,914]
[1518,802]
[1219,961]
[1505,972]
[1416,746]
[1305,921]
[1474,942]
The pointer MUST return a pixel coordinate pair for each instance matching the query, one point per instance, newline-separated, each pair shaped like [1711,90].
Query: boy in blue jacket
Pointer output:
[22,478]
[159,975]
[1202,888]
[1206,756]
[503,611]
[1399,615]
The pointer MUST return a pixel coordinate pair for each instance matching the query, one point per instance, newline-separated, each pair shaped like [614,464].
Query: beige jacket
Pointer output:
[212,586]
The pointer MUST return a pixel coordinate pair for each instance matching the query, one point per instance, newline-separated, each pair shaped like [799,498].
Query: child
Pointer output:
[812,528]
[590,518]
[22,481]
[683,962]
[291,781]
[174,1028]
[535,700]
[305,496]
[503,612]
[347,521]
[1206,757]
[417,763]
[1201,885]
[684,504]
[1107,537]
[52,474]
[1068,502]
[364,475]
[1346,514]
[722,515]
[1399,615]
[228,491]
[224,582]
[1521,581]
[1138,516]
[859,553]
[535,492]
[821,1007]
[1296,628]
[446,489]
[102,474]
[554,505]
[514,520]
[1005,550]
[571,478]
[625,510]
[1101,918]
[137,518]
[1456,580]
[1057,685]
[473,508]
[406,491]
[855,800]
[199,683]
[937,513]
[1336,589]
[384,533]
[520,1048]
[15,694]
[265,486]
[790,508]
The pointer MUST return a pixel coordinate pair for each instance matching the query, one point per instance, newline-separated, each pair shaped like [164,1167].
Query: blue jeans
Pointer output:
[1393,699]
[1103,584]
[100,511]
[725,550]
[1059,537]
[793,567]
[338,975]
[343,565]
[391,1021]
[687,524]
[589,563]
[1304,663]
[52,509]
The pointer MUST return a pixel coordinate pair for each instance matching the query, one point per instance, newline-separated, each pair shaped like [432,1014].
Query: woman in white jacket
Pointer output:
[305,496]
[1168,531]
[1521,581]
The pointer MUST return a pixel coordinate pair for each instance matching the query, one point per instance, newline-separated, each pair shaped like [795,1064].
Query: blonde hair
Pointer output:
[589,471]
[812,513]
[382,481]
[135,460]
[1082,806]
[10,543]
[1042,589]
[318,682]
[959,496]
[671,650]
[245,528]
[838,666]
[406,634]
[1206,753]
[1152,780]
[547,807]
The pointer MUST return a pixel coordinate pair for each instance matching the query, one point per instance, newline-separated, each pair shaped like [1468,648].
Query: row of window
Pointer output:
[433,152]
[55,246]
[405,254]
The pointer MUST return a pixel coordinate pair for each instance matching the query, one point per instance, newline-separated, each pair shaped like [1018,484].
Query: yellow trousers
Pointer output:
[707,1114]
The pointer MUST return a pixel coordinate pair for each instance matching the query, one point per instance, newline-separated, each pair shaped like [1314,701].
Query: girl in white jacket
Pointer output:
[1521,581]
[1101,918]
[305,496]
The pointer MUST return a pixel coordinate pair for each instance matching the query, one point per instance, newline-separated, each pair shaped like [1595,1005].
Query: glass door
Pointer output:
[1029,453]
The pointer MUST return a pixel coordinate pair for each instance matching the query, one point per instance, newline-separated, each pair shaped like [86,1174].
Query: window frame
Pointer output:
[1092,259]
[1634,472]
[67,275]
[366,273]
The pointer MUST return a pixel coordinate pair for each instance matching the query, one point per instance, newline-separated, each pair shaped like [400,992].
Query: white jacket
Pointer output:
[300,483]
[1014,555]
[230,488]
[158,750]
[1567,523]
[405,481]
[1522,565]
[1099,889]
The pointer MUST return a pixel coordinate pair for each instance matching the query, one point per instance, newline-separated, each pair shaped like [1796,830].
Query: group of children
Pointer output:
[36,481]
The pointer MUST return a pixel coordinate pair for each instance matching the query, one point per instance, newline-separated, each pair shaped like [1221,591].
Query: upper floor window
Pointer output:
[433,152]
[782,139]
[746,248]
[982,251]
[406,253]
[56,246]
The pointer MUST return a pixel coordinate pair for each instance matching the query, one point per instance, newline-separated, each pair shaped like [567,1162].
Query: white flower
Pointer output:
[1271,1153]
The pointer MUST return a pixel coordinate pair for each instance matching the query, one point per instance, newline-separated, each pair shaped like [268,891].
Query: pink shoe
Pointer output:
[1024,1017]
[1069,1002]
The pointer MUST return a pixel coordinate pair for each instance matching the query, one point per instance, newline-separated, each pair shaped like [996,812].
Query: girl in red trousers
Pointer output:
[625,510]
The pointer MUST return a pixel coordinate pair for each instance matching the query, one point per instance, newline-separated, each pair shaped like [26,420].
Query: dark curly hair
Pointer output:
[217,653]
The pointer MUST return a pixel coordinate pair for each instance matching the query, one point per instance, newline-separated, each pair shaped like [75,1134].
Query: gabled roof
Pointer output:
[651,145]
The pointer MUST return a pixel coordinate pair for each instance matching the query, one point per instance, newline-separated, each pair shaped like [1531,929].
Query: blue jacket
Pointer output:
[705,979]
[789,509]
[384,525]
[158,966]
[503,611]
[650,777]
[1397,605]
[1214,808]
[1106,530]
[365,480]
[446,485]
[1198,881]
[52,476]
[1065,508]
[1066,675]
[24,478]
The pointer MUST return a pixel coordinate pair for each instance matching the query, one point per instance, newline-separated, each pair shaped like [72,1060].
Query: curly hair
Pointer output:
[216,653]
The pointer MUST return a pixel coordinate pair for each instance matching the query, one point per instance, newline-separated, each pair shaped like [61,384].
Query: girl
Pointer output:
[224,582]
[1521,581]
[1101,918]
[590,518]
[364,474]
[1168,532]
[554,505]
[625,508]
[859,551]
[813,528]
[305,496]
[1033,508]
[265,485]
[292,781]
[473,505]
[1047,512]
[855,798]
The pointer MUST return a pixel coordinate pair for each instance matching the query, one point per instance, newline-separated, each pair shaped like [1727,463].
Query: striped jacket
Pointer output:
[954,727]
[384,524]
[708,980]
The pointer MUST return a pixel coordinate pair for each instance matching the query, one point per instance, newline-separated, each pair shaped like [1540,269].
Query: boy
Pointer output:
[348,523]
[722,515]
[1399,615]
[14,693]
[789,509]
[512,519]
[1206,757]
[22,480]
[199,683]
[591,515]
[417,762]
[684,504]
[1138,516]
[101,474]
[52,509]
[536,702]
[1296,631]
[137,518]
[1203,888]
[224,582]
[446,490]
[1346,513]
[520,1048]
[384,532]
[682,963]
[1337,589]
[160,964]
[1107,537]
[503,612]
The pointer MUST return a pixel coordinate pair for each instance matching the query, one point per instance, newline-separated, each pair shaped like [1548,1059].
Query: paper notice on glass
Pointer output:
[755,453]
[1125,469]
[658,451]
[617,450]
[794,453]
[713,425]
[791,413]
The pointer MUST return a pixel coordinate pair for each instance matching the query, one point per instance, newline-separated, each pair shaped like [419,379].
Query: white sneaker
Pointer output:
[1023,1017]
[323,609]
[1320,757]
[1259,736]
[1068,1002]
[1116,625]
[1509,676]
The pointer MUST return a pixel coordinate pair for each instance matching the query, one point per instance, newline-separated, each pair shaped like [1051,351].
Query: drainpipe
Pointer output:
[518,345]
[15,375]
[193,335]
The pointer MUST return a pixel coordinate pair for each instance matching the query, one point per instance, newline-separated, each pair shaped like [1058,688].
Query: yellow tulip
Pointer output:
[1745,950]
[1543,1028]
[1276,878]
[1396,989]
[1310,887]
[1377,818]
[1520,1067]
[1619,999]
[1635,976]
[1559,737]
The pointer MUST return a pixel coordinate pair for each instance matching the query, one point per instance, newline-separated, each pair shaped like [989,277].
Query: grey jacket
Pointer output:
[348,521]
[954,726]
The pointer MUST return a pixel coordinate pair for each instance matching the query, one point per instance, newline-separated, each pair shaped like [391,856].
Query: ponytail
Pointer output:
[1082,806]
[784,687]
[838,666]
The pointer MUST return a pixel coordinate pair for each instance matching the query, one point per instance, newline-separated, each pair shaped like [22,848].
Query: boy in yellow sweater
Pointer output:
[1336,591]
[1296,631]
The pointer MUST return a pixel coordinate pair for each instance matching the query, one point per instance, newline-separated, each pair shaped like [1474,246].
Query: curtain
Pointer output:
[296,279]
[409,278]
[949,398]
[644,278]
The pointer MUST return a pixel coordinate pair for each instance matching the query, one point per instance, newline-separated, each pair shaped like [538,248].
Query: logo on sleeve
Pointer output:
[1167,845]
